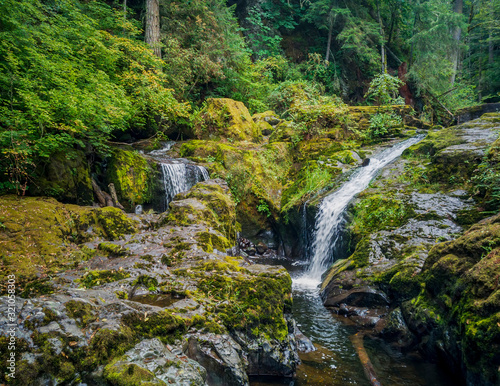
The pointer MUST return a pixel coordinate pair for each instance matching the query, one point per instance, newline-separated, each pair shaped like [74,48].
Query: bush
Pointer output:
[382,124]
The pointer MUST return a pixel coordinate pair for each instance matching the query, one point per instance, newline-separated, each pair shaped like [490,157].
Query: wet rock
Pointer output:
[365,162]
[270,357]
[152,361]
[261,248]
[250,251]
[220,355]
[395,329]
[359,297]
[66,177]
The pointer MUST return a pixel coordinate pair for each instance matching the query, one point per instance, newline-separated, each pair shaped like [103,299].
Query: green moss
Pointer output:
[165,325]
[461,289]
[205,204]
[35,237]
[133,177]
[110,223]
[83,312]
[209,241]
[225,118]
[376,212]
[99,277]
[129,374]
[228,264]
[107,344]
[254,304]
[112,249]
[361,255]
[435,141]
[36,288]
[311,179]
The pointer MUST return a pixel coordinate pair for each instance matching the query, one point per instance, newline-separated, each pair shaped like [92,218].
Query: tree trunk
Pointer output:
[490,48]
[382,45]
[152,33]
[98,194]
[329,43]
[455,56]
[114,196]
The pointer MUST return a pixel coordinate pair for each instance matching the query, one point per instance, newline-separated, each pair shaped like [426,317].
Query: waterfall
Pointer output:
[180,177]
[330,218]
[178,174]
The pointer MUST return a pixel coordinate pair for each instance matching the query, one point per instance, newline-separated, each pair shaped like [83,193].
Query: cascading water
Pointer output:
[330,218]
[336,362]
[178,175]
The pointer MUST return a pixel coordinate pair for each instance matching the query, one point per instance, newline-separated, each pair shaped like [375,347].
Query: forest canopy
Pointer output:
[78,74]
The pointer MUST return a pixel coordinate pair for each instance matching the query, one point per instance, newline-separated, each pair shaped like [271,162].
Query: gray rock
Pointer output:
[220,355]
[164,365]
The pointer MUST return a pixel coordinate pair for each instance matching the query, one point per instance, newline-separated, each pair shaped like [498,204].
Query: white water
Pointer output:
[166,147]
[180,177]
[177,174]
[330,216]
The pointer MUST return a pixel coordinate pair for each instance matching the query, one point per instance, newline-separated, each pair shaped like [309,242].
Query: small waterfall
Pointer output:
[178,174]
[180,177]
[161,152]
[330,218]
[305,232]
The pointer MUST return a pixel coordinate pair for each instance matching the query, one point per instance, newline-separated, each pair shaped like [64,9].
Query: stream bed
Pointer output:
[335,361]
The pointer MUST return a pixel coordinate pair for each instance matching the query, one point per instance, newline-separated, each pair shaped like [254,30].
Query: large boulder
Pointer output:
[456,316]
[226,118]
[133,176]
[66,177]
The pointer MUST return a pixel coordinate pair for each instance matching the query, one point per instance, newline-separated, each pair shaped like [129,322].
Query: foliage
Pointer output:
[201,44]
[291,92]
[71,75]
[384,89]
[263,208]
[382,123]
[253,83]
[265,42]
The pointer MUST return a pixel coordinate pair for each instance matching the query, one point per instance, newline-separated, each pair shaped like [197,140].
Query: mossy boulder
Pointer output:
[39,235]
[209,204]
[255,175]
[108,222]
[226,118]
[460,302]
[134,177]
[269,117]
[455,152]
[66,177]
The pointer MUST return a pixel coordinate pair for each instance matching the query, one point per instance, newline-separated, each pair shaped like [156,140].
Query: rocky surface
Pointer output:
[410,278]
[158,300]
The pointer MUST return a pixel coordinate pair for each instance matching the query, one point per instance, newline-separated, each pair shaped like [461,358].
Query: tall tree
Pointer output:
[457,32]
[152,33]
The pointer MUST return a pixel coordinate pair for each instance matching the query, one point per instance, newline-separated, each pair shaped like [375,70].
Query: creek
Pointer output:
[336,362]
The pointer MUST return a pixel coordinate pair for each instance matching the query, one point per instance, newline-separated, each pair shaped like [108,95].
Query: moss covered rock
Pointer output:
[460,302]
[256,177]
[209,204]
[66,177]
[134,177]
[226,118]
[38,235]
